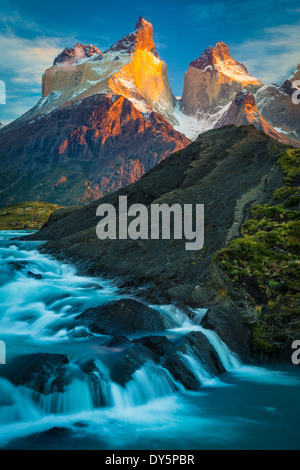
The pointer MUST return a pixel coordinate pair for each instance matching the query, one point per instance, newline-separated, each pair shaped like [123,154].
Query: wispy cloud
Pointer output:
[26,59]
[273,56]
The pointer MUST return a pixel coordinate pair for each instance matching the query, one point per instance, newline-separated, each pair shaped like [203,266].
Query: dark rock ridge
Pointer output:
[288,88]
[227,170]
[140,38]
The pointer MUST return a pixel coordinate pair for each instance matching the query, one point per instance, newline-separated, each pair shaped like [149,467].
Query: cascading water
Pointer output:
[78,378]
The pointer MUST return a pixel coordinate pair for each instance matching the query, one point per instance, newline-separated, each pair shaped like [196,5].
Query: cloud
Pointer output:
[25,60]
[273,56]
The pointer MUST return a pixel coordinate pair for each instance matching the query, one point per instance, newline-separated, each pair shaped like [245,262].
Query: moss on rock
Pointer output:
[265,264]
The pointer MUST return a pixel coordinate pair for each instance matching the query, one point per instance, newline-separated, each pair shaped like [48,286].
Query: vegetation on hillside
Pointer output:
[26,215]
[265,263]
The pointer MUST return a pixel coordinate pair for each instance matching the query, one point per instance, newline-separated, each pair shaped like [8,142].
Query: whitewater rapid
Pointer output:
[39,299]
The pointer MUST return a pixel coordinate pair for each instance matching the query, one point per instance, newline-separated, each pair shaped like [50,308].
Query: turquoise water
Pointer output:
[246,408]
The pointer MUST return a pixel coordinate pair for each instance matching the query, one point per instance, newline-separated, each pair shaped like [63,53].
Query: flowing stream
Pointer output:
[88,407]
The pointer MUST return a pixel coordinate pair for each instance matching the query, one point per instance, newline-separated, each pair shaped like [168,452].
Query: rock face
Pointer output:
[243,111]
[45,373]
[101,145]
[277,108]
[212,81]
[214,85]
[194,343]
[229,325]
[104,119]
[101,123]
[78,53]
[130,68]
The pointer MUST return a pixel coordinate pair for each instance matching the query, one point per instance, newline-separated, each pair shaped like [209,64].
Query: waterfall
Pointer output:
[148,383]
[14,406]
[75,399]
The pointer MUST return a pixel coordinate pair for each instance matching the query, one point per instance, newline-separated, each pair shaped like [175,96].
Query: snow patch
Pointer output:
[192,127]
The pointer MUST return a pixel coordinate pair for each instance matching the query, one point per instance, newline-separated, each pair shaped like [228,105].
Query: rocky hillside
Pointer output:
[228,170]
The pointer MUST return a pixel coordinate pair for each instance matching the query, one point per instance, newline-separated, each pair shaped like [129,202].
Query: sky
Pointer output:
[263,34]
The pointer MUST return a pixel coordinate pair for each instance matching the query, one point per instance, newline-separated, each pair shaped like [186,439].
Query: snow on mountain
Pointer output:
[130,68]
[213,80]
[276,106]
[192,127]
[133,69]
[295,75]
[243,111]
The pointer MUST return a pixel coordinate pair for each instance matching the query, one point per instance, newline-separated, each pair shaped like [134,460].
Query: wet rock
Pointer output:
[45,373]
[34,275]
[229,325]
[98,382]
[124,364]
[117,341]
[180,292]
[158,345]
[123,316]
[197,345]
[17,265]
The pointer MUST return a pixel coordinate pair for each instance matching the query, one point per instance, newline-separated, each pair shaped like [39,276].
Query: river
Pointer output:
[245,408]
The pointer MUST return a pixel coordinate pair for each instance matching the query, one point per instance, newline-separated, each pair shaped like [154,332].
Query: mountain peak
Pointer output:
[140,38]
[296,75]
[75,54]
[218,59]
[288,87]
[244,98]
[143,23]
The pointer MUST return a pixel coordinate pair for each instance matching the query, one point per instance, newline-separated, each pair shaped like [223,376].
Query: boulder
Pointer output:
[230,326]
[43,372]
[122,316]
[197,344]
[158,345]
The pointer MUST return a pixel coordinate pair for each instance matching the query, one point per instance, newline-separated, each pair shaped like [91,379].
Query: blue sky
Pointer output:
[263,35]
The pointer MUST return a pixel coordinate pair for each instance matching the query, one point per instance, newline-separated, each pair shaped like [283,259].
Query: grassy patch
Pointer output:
[26,215]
